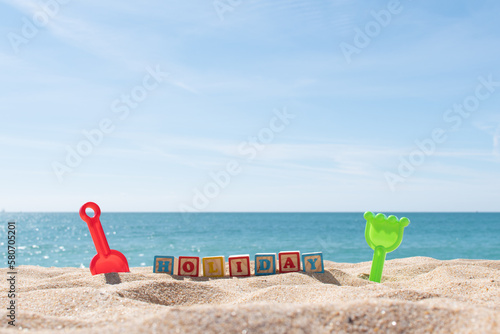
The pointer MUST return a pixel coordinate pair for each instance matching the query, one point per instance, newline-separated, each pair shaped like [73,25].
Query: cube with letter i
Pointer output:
[189,266]
[289,261]
[213,266]
[313,262]
[265,264]
[164,264]
[239,265]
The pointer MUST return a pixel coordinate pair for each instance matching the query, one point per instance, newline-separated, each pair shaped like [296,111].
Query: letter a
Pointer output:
[348,50]
[289,263]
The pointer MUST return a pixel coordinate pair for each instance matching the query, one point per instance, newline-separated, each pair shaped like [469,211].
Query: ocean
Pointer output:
[63,239]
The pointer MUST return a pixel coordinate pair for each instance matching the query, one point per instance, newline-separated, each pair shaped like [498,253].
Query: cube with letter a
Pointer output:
[239,265]
[289,261]
[313,262]
[189,266]
[213,266]
[164,264]
[265,264]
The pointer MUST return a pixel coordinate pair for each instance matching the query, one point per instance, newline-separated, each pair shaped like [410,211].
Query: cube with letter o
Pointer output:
[189,266]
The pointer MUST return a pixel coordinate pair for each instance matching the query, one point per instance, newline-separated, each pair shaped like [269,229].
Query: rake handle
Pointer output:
[377,264]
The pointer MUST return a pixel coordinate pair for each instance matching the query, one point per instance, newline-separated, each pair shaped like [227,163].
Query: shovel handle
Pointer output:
[95,228]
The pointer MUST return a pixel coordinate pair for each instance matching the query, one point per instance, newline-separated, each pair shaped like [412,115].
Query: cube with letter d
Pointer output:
[189,266]
[164,264]
[213,266]
[265,264]
[289,261]
[313,262]
[239,265]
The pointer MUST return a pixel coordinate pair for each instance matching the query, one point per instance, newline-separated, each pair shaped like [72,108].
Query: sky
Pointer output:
[250,105]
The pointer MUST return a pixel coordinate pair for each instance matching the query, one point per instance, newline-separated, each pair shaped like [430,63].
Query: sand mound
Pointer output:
[417,295]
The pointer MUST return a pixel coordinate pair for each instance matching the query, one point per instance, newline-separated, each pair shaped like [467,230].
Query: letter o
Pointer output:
[84,147]
[471,106]
[211,190]
[41,19]
[139,93]
[417,154]
[369,31]
[266,132]
[188,267]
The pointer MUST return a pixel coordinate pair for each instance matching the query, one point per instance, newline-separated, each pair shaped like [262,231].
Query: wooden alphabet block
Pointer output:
[265,264]
[289,261]
[164,264]
[189,266]
[239,265]
[213,266]
[313,262]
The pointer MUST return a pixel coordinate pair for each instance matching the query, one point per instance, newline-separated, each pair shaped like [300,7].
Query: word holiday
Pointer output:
[239,265]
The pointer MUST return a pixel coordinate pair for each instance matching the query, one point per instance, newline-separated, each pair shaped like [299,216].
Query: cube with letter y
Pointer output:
[164,264]
[265,264]
[313,262]
[213,266]
[239,265]
[189,266]
[289,261]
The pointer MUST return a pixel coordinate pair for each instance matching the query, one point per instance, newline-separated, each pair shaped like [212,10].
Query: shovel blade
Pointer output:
[114,262]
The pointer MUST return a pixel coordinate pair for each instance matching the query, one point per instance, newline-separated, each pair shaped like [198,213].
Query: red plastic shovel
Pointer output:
[107,260]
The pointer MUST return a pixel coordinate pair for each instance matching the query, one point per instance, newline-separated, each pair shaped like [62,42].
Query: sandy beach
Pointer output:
[417,295]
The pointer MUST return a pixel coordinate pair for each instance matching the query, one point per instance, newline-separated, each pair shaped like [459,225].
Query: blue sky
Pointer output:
[224,70]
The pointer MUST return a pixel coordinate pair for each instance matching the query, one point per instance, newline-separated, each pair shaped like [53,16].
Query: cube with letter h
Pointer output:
[189,266]
[164,264]
[239,265]
[313,262]
[265,264]
[213,266]
[289,261]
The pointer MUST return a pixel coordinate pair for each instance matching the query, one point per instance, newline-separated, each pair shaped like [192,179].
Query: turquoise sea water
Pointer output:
[63,239]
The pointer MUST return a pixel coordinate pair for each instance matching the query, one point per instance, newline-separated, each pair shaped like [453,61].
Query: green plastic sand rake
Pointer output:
[383,234]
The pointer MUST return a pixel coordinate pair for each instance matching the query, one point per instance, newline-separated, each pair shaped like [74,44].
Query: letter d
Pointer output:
[405,169]
[200,201]
[427,146]
[94,136]
[73,159]
[265,264]
[28,30]
[222,178]
[361,40]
